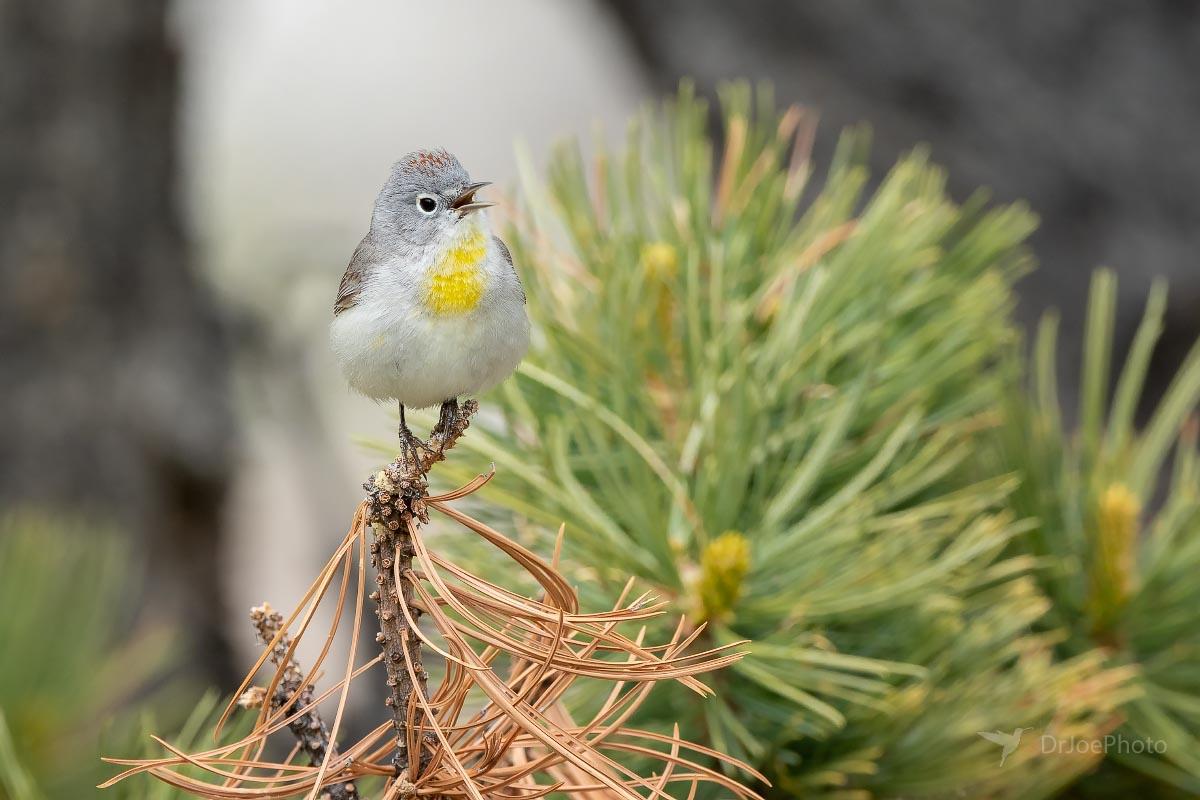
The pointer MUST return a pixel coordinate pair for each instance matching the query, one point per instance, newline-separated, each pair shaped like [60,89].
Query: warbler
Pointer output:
[430,308]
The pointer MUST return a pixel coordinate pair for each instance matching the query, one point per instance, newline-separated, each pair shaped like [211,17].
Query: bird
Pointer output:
[430,308]
[1009,741]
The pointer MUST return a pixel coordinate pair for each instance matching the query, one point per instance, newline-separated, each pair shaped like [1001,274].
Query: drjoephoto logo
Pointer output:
[1049,743]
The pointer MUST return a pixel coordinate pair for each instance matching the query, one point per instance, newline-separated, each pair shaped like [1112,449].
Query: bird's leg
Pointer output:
[405,436]
[446,419]
[408,440]
[447,414]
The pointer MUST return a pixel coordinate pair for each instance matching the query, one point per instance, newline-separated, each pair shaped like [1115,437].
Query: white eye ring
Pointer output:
[427,203]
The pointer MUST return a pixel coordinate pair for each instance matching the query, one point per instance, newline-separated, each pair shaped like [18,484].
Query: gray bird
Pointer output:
[430,308]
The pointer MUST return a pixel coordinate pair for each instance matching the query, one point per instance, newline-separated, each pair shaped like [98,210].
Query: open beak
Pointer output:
[465,203]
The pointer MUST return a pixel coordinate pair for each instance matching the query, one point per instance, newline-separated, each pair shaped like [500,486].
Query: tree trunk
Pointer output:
[113,363]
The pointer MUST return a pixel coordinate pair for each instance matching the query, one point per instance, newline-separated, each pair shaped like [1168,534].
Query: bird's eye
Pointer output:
[427,204]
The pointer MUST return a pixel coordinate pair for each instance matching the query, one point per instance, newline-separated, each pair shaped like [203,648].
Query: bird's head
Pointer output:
[426,196]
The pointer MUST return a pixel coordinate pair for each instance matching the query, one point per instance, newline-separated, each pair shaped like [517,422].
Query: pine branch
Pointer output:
[308,728]
[521,741]
[396,506]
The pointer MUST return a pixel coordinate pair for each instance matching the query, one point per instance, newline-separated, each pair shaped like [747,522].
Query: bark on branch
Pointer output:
[308,728]
[396,499]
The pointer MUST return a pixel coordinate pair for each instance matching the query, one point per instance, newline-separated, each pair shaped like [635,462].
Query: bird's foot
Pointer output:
[418,455]
[411,447]
[447,418]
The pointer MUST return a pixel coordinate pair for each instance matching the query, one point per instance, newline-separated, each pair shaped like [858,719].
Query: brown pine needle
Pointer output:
[521,743]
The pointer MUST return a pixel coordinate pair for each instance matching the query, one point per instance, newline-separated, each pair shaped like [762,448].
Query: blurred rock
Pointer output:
[293,115]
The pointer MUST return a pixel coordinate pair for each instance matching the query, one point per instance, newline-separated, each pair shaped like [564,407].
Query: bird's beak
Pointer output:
[465,203]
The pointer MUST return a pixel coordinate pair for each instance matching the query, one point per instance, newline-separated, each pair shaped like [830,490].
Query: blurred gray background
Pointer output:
[182,186]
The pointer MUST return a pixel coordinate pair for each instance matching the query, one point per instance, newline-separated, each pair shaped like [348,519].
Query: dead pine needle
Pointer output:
[519,654]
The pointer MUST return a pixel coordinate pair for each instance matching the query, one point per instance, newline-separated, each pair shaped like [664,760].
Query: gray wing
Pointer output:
[504,251]
[355,276]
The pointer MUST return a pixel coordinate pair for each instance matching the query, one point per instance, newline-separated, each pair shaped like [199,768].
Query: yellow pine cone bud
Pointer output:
[659,260]
[723,567]
[660,263]
[1111,578]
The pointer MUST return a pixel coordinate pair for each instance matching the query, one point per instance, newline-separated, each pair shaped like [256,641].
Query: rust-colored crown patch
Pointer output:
[428,161]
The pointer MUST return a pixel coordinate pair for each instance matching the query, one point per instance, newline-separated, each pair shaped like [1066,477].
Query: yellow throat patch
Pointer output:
[456,281]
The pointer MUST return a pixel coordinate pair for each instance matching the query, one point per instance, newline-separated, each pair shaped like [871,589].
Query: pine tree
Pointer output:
[772,399]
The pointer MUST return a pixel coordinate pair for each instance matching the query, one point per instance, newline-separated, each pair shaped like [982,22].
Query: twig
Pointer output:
[396,498]
[308,728]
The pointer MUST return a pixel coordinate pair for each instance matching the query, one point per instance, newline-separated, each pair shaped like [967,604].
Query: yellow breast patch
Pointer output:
[456,281]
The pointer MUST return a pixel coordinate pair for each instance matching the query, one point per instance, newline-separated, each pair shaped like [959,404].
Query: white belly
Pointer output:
[395,350]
